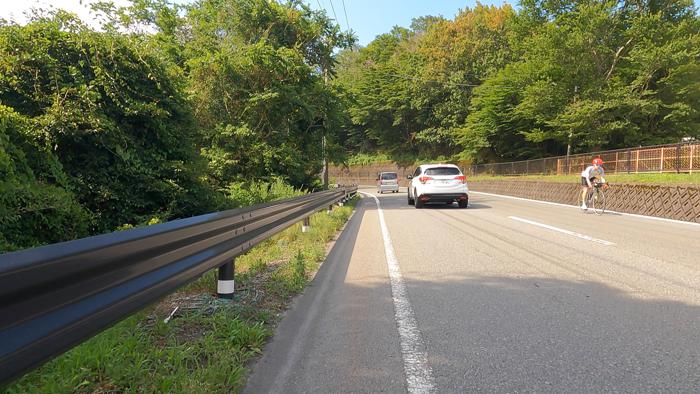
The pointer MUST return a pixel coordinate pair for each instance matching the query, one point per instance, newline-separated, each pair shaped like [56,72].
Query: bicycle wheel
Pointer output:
[589,199]
[598,200]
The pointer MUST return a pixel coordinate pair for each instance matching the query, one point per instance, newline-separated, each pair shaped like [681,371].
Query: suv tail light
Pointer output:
[424,179]
[461,178]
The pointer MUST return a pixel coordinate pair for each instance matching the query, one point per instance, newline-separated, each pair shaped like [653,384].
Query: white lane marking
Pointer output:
[574,206]
[561,230]
[419,375]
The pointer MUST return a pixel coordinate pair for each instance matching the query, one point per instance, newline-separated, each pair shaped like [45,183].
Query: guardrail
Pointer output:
[54,297]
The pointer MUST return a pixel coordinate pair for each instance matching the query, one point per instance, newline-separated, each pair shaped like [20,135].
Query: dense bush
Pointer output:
[35,205]
[217,105]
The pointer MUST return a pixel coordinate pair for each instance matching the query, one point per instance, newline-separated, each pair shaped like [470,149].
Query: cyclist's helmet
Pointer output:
[598,161]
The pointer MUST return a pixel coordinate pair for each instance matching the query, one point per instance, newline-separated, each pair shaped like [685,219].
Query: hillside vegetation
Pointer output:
[168,111]
[501,84]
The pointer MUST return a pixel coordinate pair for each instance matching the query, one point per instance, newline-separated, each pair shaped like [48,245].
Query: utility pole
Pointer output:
[324,175]
[571,136]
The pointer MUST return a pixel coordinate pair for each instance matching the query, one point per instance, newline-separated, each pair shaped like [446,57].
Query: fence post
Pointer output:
[636,164]
[225,285]
[678,158]
[617,162]
[629,160]
[692,153]
[527,167]
[661,165]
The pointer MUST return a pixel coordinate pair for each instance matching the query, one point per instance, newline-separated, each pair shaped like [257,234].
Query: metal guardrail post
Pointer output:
[305,226]
[225,284]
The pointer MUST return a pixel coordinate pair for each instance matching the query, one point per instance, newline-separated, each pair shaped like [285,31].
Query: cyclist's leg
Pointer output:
[584,192]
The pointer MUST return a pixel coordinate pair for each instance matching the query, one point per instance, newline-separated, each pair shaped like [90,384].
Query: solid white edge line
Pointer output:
[419,375]
[576,207]
[561,230]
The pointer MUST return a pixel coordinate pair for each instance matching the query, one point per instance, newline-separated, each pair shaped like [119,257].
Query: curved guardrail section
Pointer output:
[54,297]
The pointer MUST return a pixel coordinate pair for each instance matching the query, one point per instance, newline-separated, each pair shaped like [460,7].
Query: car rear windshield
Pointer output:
[442,171]
[389,175]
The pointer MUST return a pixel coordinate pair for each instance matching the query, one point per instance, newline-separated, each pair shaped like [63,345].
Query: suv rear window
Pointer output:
[389,176]
[442,171]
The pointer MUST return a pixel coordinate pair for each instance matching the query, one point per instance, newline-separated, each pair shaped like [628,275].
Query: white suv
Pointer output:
[442,183]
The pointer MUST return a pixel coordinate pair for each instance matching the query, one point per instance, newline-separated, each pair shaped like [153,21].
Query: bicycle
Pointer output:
[596,197]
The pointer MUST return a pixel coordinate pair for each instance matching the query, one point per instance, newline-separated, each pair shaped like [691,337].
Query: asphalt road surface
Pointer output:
[505,296]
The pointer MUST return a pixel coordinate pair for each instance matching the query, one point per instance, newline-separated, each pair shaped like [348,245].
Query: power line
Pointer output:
[334,15]
[346,15]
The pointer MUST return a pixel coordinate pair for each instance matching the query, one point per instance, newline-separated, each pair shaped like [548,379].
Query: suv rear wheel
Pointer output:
[463,203]
[410,200]
[418,203]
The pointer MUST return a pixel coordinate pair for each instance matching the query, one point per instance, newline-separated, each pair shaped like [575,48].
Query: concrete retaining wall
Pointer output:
[666,201]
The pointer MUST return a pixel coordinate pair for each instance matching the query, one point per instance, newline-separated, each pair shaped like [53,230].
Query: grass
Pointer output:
[644,178]
[207,345]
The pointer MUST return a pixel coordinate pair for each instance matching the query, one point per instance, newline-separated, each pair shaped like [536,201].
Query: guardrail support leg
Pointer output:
[305,226]
[330,209]
[225,284]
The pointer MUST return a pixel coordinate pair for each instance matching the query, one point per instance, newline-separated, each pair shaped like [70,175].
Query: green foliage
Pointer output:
[242,194]
[169,112]
[410,89]
[495,84]
[113,115]
[35,208]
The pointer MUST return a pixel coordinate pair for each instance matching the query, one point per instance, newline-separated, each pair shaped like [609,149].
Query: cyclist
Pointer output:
[590,174]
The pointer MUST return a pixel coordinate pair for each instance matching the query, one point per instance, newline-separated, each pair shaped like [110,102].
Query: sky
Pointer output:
[367,18]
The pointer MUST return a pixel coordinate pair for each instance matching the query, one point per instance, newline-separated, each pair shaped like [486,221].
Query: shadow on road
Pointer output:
[500,334]
[484,333]
[540,334]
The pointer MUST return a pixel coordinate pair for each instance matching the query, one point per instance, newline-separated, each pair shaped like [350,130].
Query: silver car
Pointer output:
[387,182]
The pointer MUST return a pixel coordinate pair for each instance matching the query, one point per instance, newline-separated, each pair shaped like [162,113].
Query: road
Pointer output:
[505,296]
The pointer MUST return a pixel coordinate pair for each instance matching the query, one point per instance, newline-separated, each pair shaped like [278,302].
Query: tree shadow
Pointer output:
[541,334]
[486,333]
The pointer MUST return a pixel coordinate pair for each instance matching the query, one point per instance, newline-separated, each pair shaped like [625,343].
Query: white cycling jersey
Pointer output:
[593,172]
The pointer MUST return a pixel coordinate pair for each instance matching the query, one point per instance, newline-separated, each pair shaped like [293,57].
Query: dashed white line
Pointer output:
[561,230]
[419,375]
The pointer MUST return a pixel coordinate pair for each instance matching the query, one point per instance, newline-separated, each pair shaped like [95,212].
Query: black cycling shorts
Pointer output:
[583,181]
